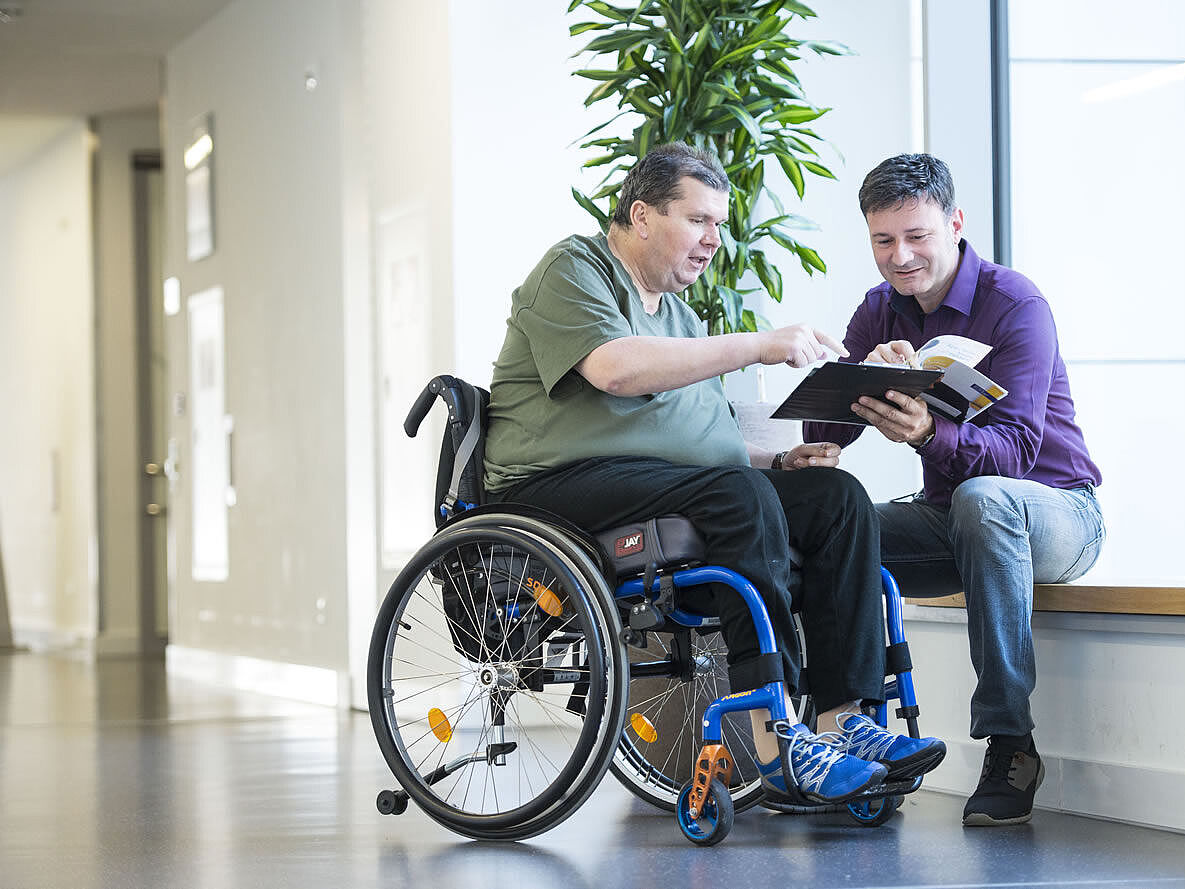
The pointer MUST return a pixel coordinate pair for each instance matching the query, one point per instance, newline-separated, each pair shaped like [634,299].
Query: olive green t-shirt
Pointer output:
[543,413]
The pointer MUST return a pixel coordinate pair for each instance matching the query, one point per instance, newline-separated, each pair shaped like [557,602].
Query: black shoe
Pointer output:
[1012,772]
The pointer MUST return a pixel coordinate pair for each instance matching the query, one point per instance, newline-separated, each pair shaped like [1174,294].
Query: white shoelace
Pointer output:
[866,740]
[818,753]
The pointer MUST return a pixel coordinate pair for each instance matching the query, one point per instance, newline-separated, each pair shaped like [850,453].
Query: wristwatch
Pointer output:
[925,441]
[776,462]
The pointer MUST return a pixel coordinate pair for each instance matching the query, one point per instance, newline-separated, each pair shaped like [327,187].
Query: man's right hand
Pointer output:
[798,345]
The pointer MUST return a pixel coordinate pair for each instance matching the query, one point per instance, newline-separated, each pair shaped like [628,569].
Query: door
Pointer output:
[151,368]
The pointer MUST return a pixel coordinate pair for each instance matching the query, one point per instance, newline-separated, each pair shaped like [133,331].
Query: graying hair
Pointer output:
[655,178]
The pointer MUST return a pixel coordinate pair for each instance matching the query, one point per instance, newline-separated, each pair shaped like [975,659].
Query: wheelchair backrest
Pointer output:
[459,471]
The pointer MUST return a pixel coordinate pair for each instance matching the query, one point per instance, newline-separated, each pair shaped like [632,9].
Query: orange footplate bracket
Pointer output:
[714,762]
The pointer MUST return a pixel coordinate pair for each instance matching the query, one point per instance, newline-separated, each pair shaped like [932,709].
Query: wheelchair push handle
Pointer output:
[442,386]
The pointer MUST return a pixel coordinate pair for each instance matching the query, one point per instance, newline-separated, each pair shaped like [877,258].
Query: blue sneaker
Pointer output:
[903,756]
[822,771]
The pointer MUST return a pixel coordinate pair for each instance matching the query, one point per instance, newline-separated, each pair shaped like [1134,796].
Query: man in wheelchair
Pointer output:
[606,407]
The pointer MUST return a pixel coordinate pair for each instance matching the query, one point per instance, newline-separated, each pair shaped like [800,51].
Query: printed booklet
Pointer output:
[942,373]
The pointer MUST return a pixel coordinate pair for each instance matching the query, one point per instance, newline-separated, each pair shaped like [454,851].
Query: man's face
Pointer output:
[681,242]
[916,247]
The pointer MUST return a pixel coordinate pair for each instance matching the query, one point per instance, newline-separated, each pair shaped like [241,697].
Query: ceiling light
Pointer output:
[198,151]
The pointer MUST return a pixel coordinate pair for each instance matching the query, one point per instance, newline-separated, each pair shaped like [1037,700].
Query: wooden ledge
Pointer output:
[1089,599]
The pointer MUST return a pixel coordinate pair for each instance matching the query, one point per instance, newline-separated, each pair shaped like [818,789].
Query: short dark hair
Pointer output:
[655,178]
[906,176]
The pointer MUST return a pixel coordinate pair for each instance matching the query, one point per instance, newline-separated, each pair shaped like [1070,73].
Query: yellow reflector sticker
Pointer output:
[439,724]
[547,600]
[644,727]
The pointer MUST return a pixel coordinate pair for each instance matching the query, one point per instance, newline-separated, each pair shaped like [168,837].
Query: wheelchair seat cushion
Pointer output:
[669,540]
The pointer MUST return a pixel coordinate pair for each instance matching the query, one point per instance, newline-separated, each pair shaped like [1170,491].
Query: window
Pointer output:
[1096,123]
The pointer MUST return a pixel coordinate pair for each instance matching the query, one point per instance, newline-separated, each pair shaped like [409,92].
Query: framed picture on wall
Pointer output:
[199,189]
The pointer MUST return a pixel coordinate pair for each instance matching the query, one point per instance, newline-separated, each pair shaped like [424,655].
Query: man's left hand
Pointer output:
[815,453]
[898,418]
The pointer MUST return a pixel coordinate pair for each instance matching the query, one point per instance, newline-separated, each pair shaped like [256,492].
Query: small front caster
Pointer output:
[874,812]
[711,825]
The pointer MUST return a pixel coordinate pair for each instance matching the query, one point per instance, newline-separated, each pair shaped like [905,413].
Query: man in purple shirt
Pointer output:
[1009,496]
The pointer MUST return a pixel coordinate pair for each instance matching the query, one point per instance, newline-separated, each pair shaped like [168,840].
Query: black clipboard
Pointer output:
[830,389]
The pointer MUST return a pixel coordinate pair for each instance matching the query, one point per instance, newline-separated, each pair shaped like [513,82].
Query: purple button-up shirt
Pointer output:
[1031,433]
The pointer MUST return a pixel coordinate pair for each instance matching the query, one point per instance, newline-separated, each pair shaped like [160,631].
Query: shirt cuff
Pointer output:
[943,443]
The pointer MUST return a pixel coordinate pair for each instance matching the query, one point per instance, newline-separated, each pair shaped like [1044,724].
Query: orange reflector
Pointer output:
[439,724]
[547,600]
[644,727]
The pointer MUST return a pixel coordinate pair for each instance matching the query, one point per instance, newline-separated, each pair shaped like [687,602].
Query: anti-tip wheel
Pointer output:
[389,802]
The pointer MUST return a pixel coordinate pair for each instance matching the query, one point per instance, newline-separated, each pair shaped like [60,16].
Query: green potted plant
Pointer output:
[716,74]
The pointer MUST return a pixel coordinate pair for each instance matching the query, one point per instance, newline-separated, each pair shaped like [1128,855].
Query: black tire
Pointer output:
[714,822]
[459,639]
[657,770]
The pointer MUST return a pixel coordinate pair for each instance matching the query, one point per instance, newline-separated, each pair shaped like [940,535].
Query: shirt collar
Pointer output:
[961,293]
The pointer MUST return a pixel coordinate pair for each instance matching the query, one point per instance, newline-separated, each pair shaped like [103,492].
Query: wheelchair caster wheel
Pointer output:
[391,802]
[875,812]
[714,822]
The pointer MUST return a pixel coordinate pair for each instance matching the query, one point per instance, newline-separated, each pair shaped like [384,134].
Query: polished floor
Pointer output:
[116,775]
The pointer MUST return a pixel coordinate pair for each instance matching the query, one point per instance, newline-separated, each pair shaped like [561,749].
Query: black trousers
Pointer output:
[749,518]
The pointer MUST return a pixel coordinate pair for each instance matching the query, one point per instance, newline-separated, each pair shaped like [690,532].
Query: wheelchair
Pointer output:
[517,658]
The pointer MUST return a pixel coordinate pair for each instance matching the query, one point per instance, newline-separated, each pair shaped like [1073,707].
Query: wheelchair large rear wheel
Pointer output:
[496,679]
[656,755]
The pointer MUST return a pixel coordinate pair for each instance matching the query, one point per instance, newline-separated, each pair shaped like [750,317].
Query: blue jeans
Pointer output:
[998,537]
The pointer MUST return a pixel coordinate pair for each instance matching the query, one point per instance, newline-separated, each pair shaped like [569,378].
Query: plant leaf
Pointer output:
[792,171]
[797,114]
[828,47]
[601,74]
[596,212]
[609,12]
[622,41]
[576,30]
[818,169]
[744,118]
[733,304]
[810,259]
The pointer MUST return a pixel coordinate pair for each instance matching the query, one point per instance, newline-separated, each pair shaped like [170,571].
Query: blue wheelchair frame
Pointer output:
[705,808]
[771,696]
[706,817]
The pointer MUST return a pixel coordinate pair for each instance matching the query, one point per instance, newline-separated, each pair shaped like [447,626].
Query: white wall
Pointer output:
[514,159]
[47,387]
[1103,249]
[278,248]
[407,72]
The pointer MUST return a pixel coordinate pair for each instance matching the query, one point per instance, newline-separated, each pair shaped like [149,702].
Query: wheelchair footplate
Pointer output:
[869,808]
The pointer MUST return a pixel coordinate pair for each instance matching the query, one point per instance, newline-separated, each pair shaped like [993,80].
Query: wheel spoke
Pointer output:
[476,599]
